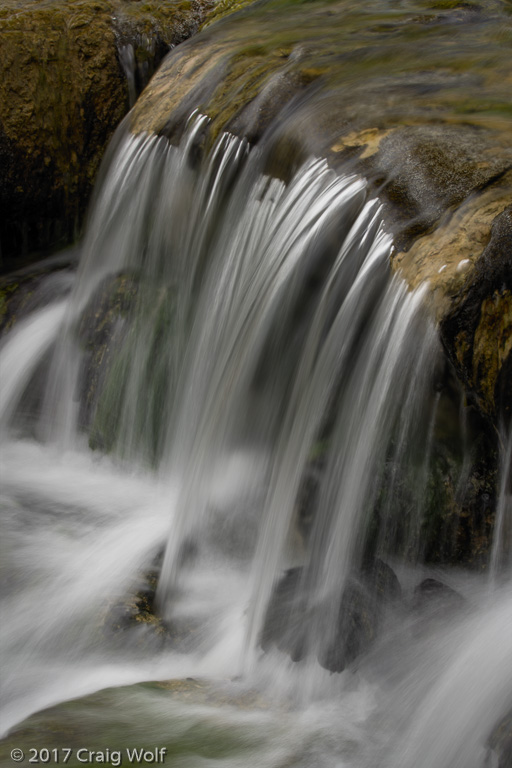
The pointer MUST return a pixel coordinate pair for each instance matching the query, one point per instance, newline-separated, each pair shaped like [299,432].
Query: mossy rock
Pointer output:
[477,331]
[224,8]
[63,91]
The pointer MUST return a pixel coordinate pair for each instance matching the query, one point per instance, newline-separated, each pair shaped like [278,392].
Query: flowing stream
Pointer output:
[247,335]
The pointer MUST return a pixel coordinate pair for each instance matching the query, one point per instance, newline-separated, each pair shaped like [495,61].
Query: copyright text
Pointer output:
[114,757]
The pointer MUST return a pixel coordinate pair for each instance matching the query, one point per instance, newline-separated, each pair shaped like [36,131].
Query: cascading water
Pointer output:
[260,339]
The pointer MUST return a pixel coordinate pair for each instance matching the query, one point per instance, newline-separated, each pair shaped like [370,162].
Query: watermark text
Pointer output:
[113,757]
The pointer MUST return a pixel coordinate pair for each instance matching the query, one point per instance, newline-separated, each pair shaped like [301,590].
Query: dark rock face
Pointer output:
[63,91]
[337,632]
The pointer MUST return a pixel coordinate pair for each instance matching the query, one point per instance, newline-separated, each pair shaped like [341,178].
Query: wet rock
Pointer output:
[430,168]
[32,288]
[500,743]
[138,609]
[101,332]
[286,621]
[460,501]
[337,631]
[223,8]
[434,595]
[137,615]
[382,581]
[477,332]
[307,498]
[255,117]
[63,91]
[355,629]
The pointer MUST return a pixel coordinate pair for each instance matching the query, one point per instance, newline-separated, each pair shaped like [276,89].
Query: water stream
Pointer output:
[252,337]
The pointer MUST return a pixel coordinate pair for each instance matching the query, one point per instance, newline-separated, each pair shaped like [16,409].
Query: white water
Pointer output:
[257,359]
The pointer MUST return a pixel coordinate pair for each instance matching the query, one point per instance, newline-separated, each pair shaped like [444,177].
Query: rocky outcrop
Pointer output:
[67,71]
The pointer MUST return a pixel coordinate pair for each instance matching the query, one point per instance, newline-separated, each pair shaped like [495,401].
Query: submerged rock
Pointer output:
[338,630]
[434,595]
[102,331]
[286,623]
[355,629]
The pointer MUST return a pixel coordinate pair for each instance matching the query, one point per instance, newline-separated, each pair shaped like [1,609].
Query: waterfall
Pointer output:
[230,337]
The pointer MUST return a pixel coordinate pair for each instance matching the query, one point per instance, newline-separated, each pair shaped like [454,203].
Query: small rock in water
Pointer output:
[382,580]
[431,594]
[355,629]
[286,621]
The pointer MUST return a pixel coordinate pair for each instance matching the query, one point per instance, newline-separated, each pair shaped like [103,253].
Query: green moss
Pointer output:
[225,8]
